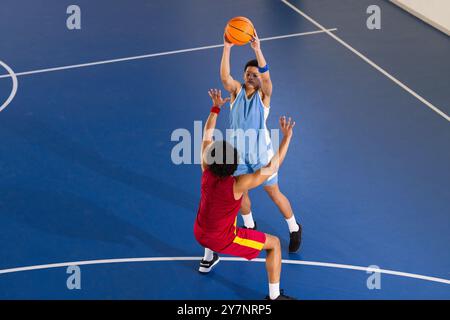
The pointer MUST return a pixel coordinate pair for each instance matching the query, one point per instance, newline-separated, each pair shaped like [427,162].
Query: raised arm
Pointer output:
[231,85]
[266,83]
[250,181]
[210,125]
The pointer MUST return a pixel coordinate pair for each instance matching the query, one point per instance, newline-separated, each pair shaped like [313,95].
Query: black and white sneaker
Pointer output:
[206,266]
[282,296]
[295,240]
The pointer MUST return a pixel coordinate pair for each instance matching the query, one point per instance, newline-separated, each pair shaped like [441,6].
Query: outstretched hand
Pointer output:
[216,96]
[286,126]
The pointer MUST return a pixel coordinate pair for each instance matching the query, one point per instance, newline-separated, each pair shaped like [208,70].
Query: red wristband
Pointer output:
[215,109]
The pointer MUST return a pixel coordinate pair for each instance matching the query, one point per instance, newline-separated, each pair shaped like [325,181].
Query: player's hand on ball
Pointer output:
[287,126]
[216,96]
[227,43]
[255,42]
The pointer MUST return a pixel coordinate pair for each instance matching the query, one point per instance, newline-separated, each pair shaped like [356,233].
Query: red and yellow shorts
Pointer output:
[246,244]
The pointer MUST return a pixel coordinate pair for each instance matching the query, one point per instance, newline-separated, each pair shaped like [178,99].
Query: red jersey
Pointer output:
[215,225]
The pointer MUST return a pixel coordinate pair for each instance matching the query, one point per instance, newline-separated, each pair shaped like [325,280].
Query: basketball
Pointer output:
[239,31]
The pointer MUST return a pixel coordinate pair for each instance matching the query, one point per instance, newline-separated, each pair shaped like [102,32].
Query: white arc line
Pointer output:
[162,259]
[15,85]
[370,62]
[152,55]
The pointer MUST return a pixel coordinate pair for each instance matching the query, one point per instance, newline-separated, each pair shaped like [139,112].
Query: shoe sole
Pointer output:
[204,270]
[294,251]
[297,250]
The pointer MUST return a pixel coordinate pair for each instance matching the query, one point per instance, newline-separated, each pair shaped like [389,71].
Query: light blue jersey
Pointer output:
[250,134]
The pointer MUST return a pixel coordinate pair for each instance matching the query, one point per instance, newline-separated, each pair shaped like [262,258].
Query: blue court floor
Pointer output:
[85,155]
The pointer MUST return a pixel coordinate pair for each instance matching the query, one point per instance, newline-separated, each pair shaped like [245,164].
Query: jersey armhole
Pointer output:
[262,102]
[237,95]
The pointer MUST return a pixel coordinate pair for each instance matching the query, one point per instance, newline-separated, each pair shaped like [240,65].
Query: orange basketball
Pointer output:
[239,31]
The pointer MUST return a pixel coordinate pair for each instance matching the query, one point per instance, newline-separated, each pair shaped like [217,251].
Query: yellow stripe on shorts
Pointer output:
[249,243]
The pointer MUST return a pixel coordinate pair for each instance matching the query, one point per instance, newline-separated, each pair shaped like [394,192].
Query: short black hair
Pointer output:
[223,159]
[251,63]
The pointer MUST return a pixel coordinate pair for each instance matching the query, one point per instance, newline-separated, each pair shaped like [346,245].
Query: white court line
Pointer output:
[370,62]
[152,55]
[162,259]
[15,85]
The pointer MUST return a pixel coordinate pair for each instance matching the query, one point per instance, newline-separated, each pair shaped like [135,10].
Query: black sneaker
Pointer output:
[206,266]
[295,240]
[254,228]
[282,296]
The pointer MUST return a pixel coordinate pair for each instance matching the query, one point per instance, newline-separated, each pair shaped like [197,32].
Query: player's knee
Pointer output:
[275,195]
[272,242]
[271,190]
[276,243]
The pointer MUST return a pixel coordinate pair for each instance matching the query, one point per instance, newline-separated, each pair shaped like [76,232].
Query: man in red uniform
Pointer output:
[221,197]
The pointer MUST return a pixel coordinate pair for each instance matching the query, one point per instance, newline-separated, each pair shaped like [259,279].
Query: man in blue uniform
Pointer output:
[250,108]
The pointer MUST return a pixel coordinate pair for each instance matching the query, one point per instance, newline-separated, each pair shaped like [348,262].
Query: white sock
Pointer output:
[274,290]
[292,224]
[248,220]
[209,255]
